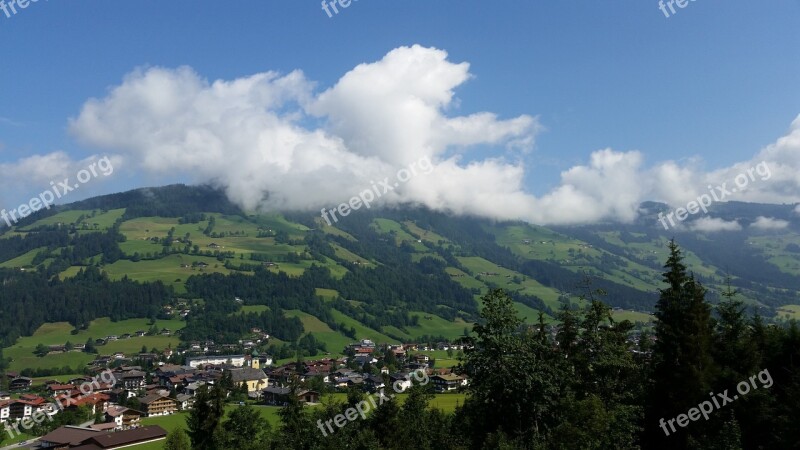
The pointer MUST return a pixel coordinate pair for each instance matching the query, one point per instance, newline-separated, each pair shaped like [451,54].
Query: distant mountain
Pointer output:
[392,274]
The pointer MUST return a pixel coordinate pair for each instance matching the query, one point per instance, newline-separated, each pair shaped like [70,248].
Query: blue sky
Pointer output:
[718,80]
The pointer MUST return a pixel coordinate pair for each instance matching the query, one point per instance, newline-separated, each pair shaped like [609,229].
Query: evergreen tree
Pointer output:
[245,429]
[204,419]
[514,377]
[683,367]
[177,440]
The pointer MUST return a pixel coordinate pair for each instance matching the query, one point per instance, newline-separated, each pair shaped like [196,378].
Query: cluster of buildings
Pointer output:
[130,392]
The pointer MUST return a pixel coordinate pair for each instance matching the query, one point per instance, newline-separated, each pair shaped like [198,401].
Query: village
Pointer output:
[119,391]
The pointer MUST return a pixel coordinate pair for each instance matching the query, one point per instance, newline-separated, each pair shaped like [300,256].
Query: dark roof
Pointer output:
[277,390]
[128,437]
[247,374]
[69,435]
[152,398]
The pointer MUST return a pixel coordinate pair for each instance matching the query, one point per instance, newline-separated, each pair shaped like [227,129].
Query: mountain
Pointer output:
[384,274]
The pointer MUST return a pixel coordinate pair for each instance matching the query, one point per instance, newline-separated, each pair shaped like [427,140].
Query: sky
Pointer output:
[550,112]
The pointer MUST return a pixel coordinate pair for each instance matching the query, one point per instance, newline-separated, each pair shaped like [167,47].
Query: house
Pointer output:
[95,402]
[421,358]
[185,401]
[56,389]
[400,381]
[254,379]
[20,384]
[158,405]
[280,395]
[446,383]
[132,379]
[25,405]
[147,358]
[124,418]
[374,383]
[192,388]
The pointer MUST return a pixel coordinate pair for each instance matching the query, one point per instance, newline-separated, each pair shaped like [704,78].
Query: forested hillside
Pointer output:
[393,274]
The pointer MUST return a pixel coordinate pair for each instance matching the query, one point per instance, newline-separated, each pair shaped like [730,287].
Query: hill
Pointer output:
[187,253]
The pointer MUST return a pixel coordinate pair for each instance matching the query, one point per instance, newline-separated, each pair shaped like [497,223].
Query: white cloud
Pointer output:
[709,224]
[769,223]
[273,141]
[30,176]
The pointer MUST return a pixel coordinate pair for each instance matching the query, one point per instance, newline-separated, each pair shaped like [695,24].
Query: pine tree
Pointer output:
[683,367]
[204,420]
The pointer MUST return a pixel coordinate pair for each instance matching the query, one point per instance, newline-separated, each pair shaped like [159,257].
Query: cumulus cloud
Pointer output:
[251,136]
[710,225]
[276,141]
[769,223]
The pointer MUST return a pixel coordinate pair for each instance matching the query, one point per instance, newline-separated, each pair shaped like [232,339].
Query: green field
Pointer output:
[22,356]
[789,312]
[25,260]
[633,316]
[173,421]
[102,220]
[507,279]
[400,235]
[168,270]
[431,325]
[335,341]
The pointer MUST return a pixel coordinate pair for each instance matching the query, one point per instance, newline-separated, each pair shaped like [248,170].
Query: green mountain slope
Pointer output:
[387,275]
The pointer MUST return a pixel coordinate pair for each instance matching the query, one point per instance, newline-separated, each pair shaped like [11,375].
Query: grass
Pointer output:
[25,260]
[326,294]
[167,270]
[789,312]
[253,309]
[334,341]
[362,331]
[400,235]
[434,325]
[59,333]
[633,316]
[103,220]
[425,235]
[445,402]
[507,279]
[178,420]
